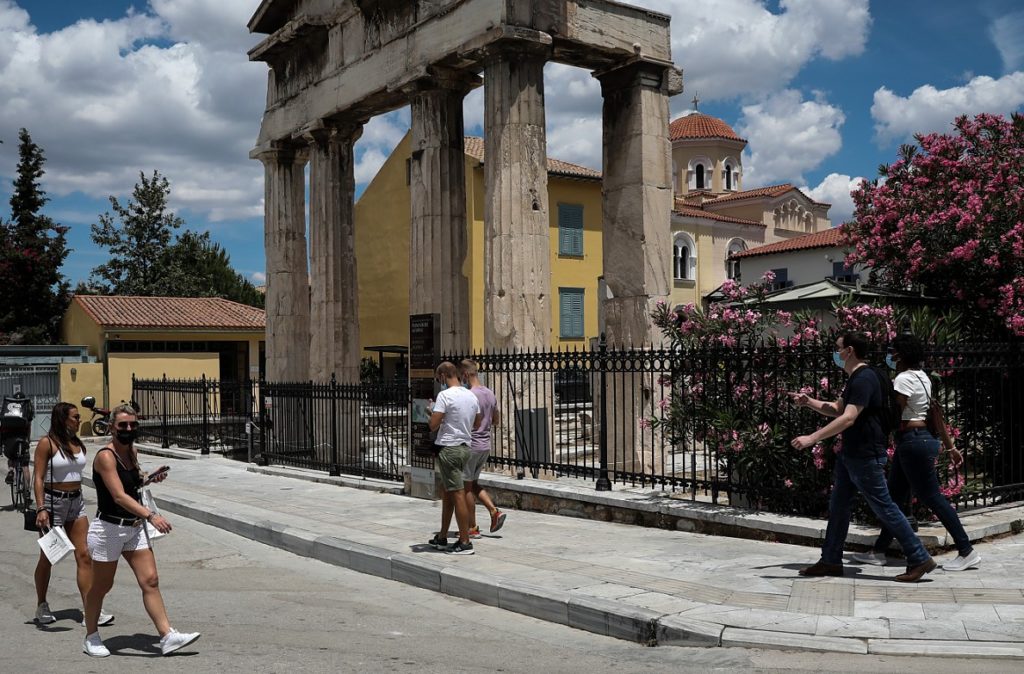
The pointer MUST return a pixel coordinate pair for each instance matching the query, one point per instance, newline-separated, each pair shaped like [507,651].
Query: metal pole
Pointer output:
[205,442]
[165,444]
[335,469]
[603,483]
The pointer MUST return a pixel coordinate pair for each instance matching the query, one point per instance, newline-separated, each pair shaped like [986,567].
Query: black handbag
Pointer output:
[30,513]
[30,519]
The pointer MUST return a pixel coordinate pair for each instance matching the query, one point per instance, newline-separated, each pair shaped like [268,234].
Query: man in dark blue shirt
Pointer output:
[860,465]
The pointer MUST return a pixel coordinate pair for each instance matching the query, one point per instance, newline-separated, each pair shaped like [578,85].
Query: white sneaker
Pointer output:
[43,614]
[962,563]
[93,646]
[873,558]
[105,619]
[174,640]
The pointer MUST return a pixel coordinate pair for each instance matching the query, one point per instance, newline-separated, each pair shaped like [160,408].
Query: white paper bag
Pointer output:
[55,544]
[152,533]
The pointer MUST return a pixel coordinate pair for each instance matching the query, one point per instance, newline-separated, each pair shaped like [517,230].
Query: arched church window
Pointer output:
[732,266]
[700,176]
[684,258]
[728,176]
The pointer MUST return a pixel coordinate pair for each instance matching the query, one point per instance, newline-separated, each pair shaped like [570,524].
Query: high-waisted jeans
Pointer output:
[913,469]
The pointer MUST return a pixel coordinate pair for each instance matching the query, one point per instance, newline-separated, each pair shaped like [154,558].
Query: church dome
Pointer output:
[699,125]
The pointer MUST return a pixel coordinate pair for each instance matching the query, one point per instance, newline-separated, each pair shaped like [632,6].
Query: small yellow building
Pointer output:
[180,337]
[382,249]
[713,217]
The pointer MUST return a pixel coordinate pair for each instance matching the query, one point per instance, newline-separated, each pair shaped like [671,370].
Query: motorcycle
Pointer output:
[100,421]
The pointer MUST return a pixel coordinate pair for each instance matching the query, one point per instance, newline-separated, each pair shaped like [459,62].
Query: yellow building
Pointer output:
[180,337]
[712,218]
[382,249]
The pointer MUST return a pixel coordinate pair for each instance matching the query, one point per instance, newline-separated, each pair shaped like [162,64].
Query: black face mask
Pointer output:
[127,437]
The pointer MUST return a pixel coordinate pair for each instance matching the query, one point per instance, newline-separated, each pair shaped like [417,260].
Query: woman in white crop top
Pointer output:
[59,460]
[913,465]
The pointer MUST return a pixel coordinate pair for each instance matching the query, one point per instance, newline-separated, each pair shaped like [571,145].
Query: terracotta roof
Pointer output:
[824,239]
[771,191]
[198,313]
[475,149]
[699,125]
[681,208]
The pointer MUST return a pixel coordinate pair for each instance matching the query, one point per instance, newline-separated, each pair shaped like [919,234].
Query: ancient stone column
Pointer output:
[637,198]
[334,329]
[287,295]
[517,272]
[637,243]
[438,279]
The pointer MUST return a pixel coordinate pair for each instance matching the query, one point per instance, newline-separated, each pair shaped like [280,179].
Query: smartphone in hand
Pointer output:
[162,470]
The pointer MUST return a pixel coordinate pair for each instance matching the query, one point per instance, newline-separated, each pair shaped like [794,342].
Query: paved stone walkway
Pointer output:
[649,585]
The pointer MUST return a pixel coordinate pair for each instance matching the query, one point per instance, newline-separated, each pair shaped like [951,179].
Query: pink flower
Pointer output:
[788,483]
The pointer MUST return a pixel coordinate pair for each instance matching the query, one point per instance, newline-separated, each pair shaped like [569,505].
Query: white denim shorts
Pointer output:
[106,541]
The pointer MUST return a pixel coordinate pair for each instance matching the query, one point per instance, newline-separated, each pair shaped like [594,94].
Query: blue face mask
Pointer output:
[840,363]
[890,362]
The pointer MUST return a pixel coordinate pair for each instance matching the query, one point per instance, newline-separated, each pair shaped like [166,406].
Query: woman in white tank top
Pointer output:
[913,465]
[59,460]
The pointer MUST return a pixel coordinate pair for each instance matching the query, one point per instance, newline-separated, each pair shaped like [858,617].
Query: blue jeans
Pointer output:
[913,469]
[866,475]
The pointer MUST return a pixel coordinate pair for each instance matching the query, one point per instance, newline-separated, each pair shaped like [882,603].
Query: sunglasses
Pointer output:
[127,425]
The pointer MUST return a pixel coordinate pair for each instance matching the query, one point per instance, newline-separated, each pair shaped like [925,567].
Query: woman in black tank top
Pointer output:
[119,531]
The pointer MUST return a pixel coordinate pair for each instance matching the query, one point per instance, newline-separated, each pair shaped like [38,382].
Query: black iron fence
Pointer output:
[714,423]
[708,424]
[358,429]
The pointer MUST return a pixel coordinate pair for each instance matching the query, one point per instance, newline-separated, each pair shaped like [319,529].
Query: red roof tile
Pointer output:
[197,313]
[681,208]
[475,149]
[699,125]
[824,239]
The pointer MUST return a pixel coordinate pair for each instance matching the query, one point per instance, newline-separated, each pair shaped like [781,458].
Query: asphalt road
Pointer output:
[264,610]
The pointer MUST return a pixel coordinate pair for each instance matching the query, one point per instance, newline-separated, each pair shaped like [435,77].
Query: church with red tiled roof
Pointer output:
[714,217]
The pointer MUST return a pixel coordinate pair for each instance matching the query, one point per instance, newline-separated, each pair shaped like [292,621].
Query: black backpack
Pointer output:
[888,413]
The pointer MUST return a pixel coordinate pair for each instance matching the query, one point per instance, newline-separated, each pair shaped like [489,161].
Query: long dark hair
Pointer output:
[59,432]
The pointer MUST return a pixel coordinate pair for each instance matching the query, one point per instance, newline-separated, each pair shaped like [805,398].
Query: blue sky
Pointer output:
[824,90]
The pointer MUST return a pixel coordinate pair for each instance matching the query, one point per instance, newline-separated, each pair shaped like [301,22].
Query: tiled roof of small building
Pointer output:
[824,239]
[475,149]
[766,191]
[699,125]
[196,313]
[682,208]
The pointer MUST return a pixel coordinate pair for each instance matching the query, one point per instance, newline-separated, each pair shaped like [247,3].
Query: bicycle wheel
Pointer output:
[18,488]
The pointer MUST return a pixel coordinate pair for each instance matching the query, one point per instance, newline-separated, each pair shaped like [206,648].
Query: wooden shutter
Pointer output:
[570,313]
[570,230]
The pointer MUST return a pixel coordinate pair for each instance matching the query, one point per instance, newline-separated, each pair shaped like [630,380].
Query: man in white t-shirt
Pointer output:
[454,415]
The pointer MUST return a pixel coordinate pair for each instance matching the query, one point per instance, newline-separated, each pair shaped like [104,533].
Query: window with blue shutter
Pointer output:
[570,305]
[570,230]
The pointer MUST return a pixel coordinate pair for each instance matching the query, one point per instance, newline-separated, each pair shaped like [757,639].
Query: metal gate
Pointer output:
[40,383]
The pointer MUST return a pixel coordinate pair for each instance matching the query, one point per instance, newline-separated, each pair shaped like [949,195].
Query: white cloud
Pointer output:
[109,99]
[258,277]
[928,109]
[1008,35]
[835,189]
[788,136]
[739,48]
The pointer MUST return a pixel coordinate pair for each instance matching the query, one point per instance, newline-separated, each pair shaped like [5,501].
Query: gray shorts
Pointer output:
[476,462]
[63,509]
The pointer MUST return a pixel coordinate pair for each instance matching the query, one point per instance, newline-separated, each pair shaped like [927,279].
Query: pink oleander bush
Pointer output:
[948,215]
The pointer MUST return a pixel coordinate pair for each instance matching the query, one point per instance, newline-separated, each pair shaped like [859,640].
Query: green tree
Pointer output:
[148,257]
[202,268]
[138,235]
[32,250]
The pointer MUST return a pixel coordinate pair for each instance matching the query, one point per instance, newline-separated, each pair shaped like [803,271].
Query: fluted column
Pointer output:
[334,338]
[287,294]
[438,279]
[517,291]
[637,197]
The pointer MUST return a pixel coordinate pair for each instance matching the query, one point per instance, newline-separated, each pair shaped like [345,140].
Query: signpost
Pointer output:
[424,357]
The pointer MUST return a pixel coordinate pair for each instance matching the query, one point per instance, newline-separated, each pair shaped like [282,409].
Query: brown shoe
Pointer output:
[914,573]
[822,569]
